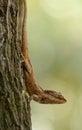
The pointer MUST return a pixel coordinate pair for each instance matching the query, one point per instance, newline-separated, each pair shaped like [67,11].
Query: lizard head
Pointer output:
[49,97]
[52,97]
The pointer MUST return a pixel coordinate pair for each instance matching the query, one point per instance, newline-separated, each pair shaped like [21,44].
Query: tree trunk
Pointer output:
[14,104]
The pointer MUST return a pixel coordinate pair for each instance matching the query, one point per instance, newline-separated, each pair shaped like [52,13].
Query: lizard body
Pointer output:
[33,88]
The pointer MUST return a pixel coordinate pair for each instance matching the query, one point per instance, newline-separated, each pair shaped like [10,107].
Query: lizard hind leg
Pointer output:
[25,64]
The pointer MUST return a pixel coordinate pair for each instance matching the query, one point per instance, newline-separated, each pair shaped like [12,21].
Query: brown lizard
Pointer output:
[33,88]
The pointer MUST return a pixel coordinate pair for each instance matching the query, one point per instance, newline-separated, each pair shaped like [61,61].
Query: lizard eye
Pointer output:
[43,100]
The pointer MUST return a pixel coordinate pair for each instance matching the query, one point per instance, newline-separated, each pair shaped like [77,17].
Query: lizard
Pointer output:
[32,87]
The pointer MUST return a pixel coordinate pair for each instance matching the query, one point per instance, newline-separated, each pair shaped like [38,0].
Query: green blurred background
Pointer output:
[55,46]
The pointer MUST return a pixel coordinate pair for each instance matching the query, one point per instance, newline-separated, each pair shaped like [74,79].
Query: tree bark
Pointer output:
[14,104]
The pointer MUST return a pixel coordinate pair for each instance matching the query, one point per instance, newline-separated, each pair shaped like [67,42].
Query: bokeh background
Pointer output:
[55,45]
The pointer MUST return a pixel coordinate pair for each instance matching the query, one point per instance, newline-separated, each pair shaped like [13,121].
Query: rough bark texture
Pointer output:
[14,105]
